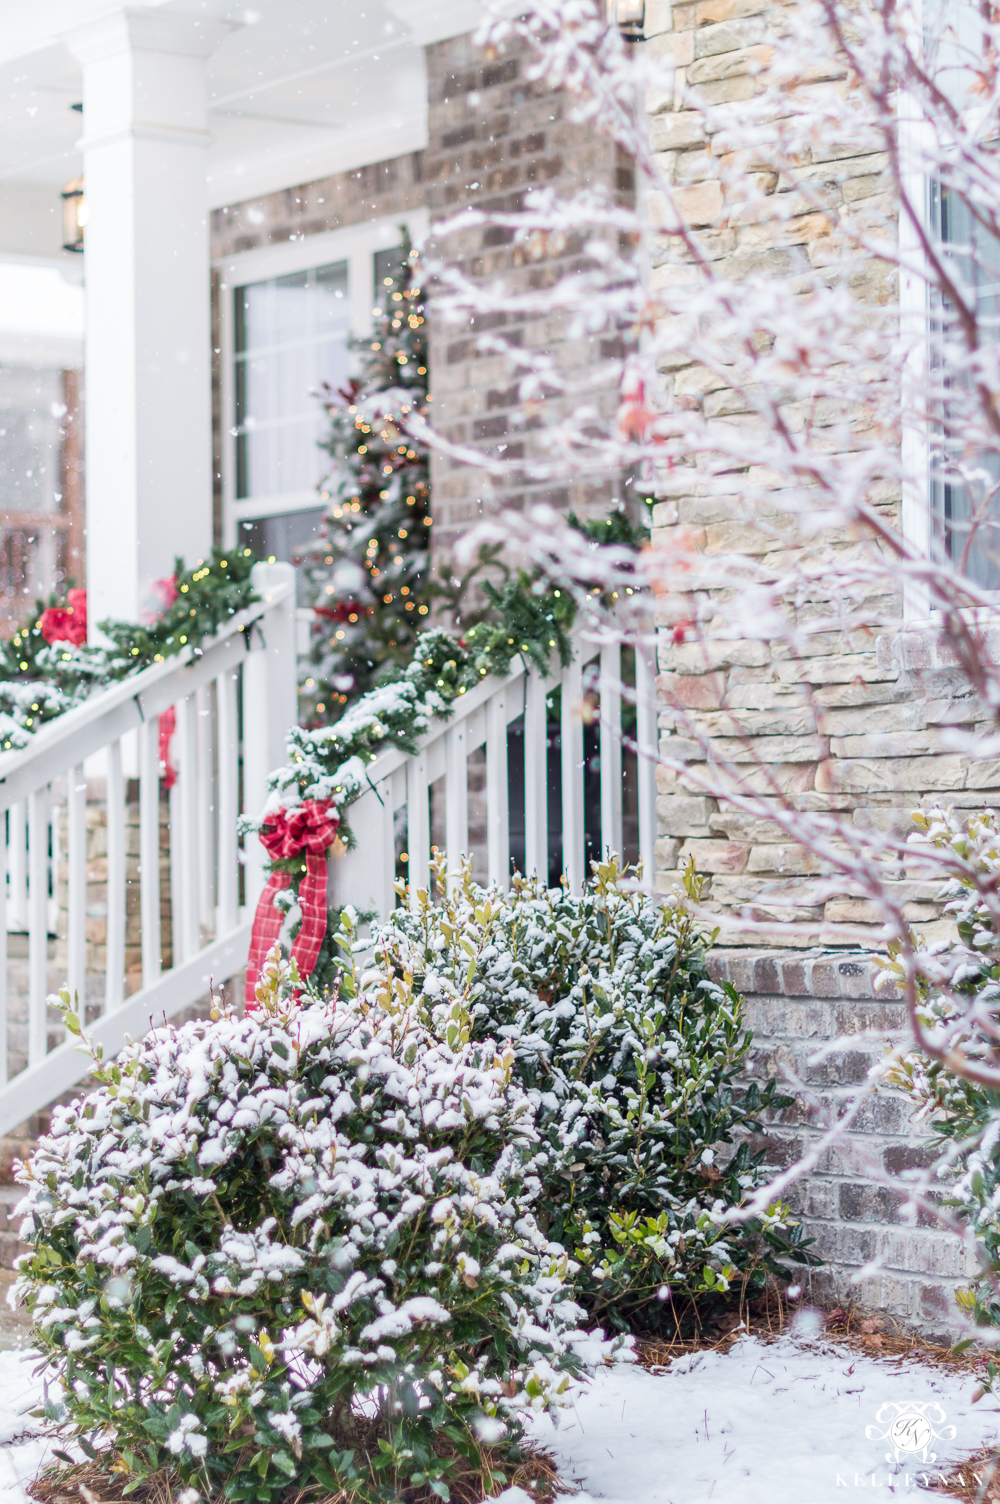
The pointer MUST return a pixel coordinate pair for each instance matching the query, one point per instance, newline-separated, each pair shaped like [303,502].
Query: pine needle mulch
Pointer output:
[874,1336]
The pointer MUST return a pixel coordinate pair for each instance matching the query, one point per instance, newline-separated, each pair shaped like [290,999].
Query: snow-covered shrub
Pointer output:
[298,1248]
[630,1054]
[957,988]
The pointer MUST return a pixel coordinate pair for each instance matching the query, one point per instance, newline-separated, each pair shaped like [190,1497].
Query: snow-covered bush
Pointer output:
[298,1248]
[955,988]
[630,1054]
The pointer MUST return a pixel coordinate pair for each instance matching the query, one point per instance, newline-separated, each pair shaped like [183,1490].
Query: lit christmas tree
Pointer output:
[367,573]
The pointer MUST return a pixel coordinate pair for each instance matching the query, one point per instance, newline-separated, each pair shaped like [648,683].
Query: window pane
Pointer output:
[291,309]
[387,269]
[292,334]
[331,300]
[253,316]
[279,537]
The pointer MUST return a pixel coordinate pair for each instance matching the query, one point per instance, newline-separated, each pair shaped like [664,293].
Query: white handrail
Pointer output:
[400,781]
[68,825]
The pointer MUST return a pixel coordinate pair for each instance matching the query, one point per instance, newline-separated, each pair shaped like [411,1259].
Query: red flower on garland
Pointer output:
[343,611]
[66,623]
[162,595]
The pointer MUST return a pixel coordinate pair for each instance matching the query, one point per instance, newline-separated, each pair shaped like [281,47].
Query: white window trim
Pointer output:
[355,244]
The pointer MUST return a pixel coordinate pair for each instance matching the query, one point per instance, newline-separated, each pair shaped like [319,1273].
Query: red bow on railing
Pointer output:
[308,827]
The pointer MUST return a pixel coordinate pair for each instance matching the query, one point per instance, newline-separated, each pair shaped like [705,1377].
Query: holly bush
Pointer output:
[297,1250]
[631,1057]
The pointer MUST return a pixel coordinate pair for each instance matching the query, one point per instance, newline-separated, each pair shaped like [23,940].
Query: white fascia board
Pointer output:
[307,158]
[43,352]
[435,20]
[27,26]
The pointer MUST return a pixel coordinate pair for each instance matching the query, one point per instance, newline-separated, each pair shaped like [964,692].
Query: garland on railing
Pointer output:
[529,617]
[328,767]
[47,667]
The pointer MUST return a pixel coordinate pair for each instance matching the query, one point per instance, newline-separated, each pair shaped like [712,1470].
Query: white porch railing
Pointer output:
[365,876]
[235,700]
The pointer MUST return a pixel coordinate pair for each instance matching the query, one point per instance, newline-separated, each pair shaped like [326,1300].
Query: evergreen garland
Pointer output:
[526,616]
[40,680]
[366,576]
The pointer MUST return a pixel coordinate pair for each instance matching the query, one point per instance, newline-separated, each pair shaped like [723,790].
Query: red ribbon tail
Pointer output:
[266,928]
[312,902]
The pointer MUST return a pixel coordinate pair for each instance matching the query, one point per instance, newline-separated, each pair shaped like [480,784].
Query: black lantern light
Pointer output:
[74,215]
[629,16]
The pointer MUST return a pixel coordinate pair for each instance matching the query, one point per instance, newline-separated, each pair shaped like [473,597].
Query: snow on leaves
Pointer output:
[253,1220]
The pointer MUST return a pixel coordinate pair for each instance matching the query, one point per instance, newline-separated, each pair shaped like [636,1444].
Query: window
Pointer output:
[951,454]
[291,338]
[35,514]
[288,315]
[965,457]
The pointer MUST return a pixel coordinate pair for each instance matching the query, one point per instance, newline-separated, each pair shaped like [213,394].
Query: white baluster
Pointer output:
[647,739]
[176,848]
[206,813]
[38,936]
[456,795]
[4,904]
[229,808]
[571,737]
[149,849]
[497,796]
[418,831]
[76,884]
[187,900]
[364,877]
[54,860]
[17,915]
[114,973]
[536,805]
[269,707]
[611,749]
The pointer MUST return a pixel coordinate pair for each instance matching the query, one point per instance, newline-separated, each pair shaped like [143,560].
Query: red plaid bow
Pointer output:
[308,827]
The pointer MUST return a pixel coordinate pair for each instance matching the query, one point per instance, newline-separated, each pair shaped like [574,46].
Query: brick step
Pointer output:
[10,1246]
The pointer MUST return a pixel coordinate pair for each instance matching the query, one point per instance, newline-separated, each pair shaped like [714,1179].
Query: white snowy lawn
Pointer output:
[778,1423]
[765,1423]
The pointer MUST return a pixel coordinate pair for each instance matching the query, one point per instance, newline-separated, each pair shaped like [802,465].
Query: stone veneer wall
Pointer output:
[797,1002]
[883,704]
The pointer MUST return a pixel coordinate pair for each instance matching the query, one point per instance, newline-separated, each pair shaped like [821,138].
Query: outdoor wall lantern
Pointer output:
[74,215]
[629,16]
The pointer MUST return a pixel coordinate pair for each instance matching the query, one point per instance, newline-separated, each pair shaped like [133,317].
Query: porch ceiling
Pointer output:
[298,89]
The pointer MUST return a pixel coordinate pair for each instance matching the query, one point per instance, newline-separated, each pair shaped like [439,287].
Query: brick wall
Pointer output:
[345,198]
[797,1002]
[494,136]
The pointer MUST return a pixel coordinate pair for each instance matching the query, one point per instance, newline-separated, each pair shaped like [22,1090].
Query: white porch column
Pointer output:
[148,331]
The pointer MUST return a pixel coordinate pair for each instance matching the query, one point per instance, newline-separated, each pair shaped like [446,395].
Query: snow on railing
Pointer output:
[147,892]
[559,811]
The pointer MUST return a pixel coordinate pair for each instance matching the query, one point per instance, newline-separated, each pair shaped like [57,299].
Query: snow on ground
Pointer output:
[780,1422]
[783,1422]
[22,1451]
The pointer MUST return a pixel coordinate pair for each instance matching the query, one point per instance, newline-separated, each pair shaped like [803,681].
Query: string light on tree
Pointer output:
[367,572]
